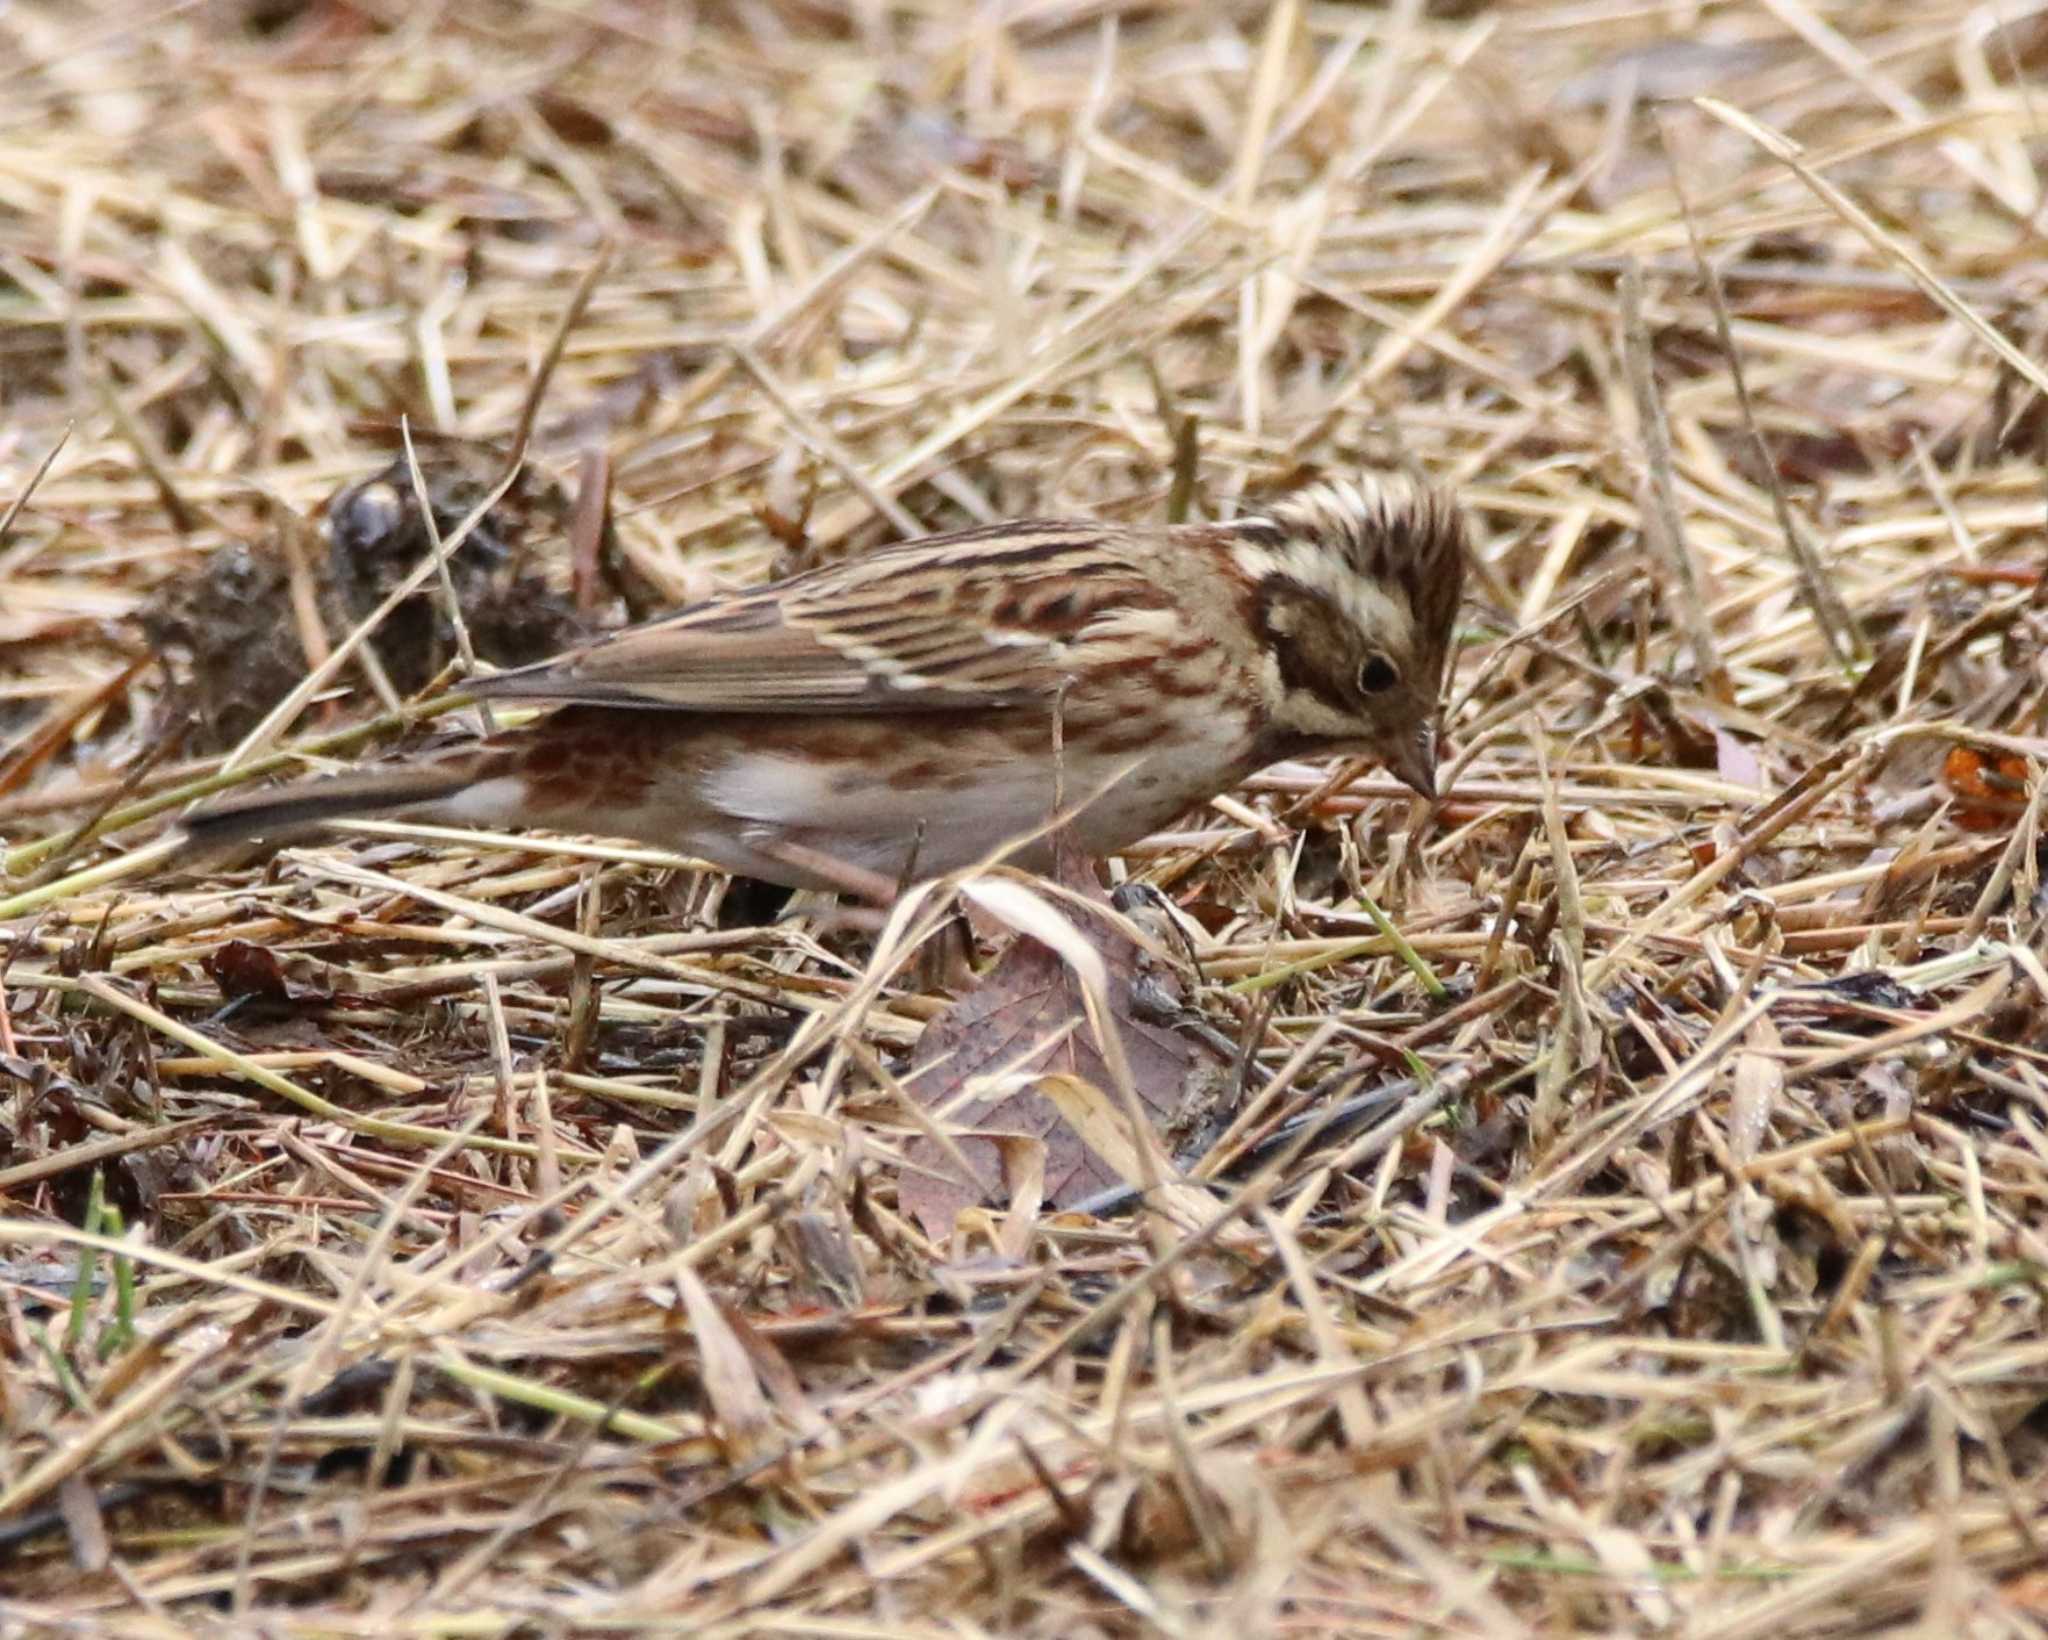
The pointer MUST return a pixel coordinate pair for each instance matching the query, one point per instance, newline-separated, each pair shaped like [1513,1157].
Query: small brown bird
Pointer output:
[910,711]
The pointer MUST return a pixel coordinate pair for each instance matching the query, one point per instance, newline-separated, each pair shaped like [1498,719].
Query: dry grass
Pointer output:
[535,1264]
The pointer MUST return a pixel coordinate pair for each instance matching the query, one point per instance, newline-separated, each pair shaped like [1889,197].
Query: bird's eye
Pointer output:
[1377,674]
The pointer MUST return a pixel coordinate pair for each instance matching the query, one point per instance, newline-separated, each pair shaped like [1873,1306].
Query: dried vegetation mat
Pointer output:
[1608,1200]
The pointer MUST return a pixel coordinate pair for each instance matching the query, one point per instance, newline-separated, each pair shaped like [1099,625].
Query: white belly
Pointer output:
[968,808]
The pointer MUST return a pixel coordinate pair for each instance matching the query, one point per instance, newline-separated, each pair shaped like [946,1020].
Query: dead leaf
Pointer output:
[771,1369]
[257,973]
[241,969]
[1990,789]
[1028,1019]
[1023,1163]
[1093,1115]
[822,1258]
[726,1369]
[1736,763]
[1140,1160]
[85,1523]
[1759,1089]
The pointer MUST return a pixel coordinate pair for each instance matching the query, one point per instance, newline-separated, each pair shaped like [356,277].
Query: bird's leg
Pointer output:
[946,960]
[842,875]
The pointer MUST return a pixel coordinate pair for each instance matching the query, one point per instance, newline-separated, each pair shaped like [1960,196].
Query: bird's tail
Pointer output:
[286,811]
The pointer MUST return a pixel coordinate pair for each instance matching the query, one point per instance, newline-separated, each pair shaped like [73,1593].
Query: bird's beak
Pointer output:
[1414,763]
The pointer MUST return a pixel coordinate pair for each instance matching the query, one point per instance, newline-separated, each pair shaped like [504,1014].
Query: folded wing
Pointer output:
[982,619]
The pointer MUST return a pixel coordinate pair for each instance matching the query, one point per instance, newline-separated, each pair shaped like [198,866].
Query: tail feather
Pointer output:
[288,810]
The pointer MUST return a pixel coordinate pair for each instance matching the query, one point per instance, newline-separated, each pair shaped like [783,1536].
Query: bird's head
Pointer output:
[1355,587]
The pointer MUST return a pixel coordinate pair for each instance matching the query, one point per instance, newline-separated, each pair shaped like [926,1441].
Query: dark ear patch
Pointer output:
[1312,641]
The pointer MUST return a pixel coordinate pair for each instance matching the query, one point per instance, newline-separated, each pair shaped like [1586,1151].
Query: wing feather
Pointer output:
[952,623]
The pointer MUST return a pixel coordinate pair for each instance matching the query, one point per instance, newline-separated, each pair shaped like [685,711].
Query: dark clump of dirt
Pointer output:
[230,640]
[235,646]
[511,575]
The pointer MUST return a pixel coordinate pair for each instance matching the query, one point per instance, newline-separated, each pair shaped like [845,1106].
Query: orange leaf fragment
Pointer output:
[1990,787]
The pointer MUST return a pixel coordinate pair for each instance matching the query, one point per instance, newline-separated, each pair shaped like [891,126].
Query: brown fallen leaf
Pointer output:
[241,969]
[1029,1019]
[251,972]
[727,1371]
